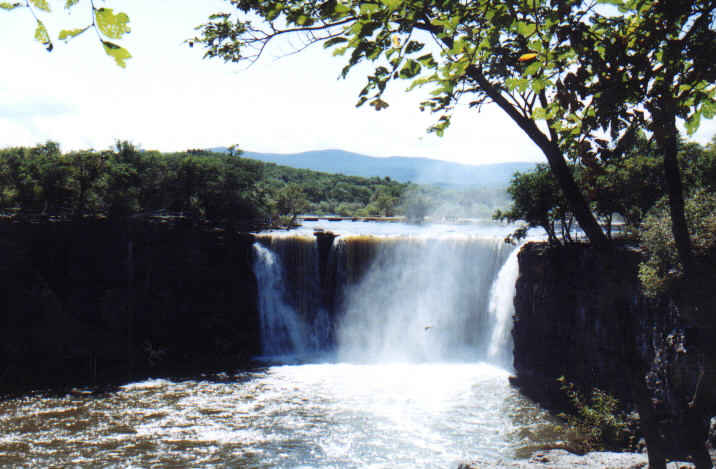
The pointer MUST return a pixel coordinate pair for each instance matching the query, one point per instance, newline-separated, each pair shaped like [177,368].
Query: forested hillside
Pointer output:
[222,188]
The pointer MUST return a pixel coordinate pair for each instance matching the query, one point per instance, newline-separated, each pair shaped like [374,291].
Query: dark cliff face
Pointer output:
[568,311]
[96,301]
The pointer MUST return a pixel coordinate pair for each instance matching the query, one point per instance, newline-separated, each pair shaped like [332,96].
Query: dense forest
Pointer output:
[223,188]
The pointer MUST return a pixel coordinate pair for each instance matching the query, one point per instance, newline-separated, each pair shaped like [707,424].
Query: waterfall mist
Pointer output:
[422,299]
[384,299]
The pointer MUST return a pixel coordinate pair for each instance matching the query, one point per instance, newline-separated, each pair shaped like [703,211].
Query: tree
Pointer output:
[649,65]
[656,65]
[291,201]
[86,169]
[631,184]
[538,201]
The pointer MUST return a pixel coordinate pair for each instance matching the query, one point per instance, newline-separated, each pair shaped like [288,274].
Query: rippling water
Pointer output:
[298,416]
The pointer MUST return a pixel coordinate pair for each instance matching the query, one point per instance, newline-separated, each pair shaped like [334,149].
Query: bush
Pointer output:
[600,423]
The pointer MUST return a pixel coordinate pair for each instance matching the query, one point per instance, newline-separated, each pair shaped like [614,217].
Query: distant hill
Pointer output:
[402,169]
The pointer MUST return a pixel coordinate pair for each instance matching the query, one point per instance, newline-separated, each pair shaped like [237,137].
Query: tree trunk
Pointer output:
[698,283]
[555,158]
[666,137]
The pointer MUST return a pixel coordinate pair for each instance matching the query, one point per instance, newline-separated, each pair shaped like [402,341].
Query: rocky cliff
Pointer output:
[100,301]
[568,320]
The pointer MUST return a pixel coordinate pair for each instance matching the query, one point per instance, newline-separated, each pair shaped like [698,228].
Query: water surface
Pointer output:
[289,416]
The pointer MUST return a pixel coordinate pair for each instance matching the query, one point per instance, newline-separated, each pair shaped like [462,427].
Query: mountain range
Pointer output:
[398,168]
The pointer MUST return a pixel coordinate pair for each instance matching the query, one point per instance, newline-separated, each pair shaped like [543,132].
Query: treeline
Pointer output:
[124,180]
[222,188]
[335,194]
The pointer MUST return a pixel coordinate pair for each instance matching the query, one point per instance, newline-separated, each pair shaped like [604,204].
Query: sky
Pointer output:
[169,98]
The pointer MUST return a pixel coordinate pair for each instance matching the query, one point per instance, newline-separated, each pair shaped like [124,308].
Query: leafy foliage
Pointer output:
[627,188]
[106,23]
[291,202]
[599,421]
[663,266]
[125,180]
[538,201]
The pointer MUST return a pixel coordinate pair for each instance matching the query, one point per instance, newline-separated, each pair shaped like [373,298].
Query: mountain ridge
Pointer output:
[418,170]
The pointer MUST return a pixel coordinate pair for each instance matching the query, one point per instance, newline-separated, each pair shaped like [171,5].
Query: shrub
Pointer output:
[600,423]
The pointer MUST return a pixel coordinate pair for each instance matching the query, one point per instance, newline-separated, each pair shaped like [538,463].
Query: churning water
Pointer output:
[300,416]
[386,352]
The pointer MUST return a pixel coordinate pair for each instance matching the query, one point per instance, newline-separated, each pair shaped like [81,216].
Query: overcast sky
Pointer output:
[170,99]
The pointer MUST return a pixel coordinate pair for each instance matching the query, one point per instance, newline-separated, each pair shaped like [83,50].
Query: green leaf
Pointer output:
[67,34]
[341,9]
[368,8]
[539,114]
[333,41]
[111,25]
[9,6]
[410,69]
[532,69]
[526,29]
[119,54]
[70,3]
[708,109]
[458,46]
[520,84]
[392,4]
[42,36]
[537,85]
[693,123]
[427,60]
[41,4]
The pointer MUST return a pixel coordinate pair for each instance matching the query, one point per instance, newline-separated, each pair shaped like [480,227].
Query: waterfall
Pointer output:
[292,319]
[385,298]
[422,299]
[281,328]
[502,308]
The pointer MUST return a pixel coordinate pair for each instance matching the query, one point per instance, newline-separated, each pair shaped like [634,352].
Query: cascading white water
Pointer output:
[502,308]
[398,298]
[423,299]
[293,321]
[281,328]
